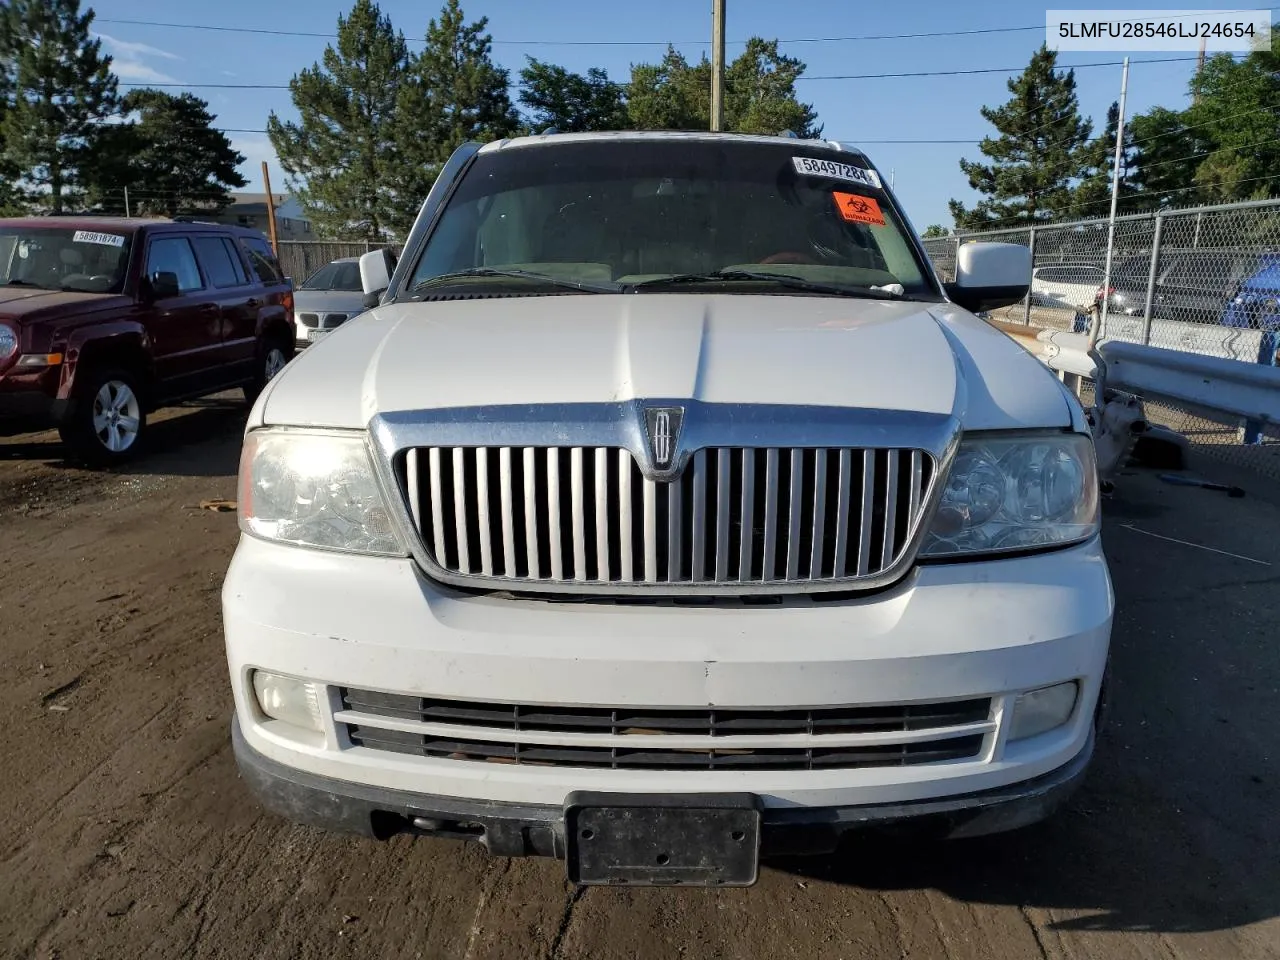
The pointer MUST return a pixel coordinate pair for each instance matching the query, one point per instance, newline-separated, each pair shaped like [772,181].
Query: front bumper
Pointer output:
[516,830]
[22,410]
[946,632]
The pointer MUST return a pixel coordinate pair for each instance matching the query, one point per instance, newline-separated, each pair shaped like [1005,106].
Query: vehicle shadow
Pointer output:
[200,438]
[1174,830]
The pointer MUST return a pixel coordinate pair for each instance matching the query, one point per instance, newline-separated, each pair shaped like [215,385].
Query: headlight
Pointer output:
[8,343]
[314,489]
[1015,493]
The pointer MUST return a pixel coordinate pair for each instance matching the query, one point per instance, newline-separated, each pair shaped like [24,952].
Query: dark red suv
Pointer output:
[104,319]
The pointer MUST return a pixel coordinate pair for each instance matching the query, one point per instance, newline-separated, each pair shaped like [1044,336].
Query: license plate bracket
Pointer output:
[705,839]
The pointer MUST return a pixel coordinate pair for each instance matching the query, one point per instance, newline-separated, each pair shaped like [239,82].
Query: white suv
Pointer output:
[666,511]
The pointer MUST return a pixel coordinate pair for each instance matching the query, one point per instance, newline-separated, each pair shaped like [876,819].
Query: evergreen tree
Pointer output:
[1166,155]
[341,158]
[171,158]
[9,199]
[934,230]
[571,102]
[1092,195]
[456,94]
[760,94]
[1041,149]
[62,89]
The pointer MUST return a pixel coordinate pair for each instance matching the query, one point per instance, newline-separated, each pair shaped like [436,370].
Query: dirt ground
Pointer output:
[129,835]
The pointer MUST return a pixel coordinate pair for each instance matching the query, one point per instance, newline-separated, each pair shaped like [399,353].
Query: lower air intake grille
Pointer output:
[626,737]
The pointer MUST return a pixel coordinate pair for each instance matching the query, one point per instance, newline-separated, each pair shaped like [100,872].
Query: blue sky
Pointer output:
[855,110]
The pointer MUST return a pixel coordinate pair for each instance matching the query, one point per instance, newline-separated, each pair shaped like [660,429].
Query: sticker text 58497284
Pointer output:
[106,239]
[836,171]
[858,209]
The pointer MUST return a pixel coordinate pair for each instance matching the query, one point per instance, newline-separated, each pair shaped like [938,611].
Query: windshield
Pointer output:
[339,275]
[62,258]
[616,213]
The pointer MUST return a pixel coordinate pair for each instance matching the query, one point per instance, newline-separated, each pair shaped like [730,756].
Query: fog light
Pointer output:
[288,699]
[1038,711]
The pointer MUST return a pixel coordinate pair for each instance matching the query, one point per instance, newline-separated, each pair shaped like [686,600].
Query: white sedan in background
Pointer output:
[1070,286]
[327,299]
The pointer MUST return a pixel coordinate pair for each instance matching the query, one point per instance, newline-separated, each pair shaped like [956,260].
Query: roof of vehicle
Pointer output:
[685,135]
[128,224]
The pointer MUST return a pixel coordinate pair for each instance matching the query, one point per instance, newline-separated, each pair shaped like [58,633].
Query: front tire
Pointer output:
[107,422]
[273,354]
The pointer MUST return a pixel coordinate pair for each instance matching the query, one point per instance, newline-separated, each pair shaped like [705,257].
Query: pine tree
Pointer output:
[456,94]
[9,198]
[340,158]
[172,159]
[62,90]
[760,94]
[571,102]
[1041,149]
[1092,195]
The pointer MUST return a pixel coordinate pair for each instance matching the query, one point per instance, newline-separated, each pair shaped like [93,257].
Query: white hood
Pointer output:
[823,351]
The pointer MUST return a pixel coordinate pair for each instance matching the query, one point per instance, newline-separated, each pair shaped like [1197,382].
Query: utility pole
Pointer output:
[1195,98]
[717,64]
[126,201]
[271,208]
[1115,196]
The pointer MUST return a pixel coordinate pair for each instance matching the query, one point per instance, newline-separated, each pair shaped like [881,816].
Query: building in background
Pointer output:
[250,210]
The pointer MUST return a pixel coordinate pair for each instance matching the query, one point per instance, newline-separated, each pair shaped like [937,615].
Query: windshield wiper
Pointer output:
[781,279]
[529,275]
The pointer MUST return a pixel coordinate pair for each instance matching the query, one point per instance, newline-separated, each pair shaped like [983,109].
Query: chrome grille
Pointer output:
[667,738]
[587,515]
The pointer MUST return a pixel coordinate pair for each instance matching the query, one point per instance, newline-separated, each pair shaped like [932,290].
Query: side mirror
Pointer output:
[372,298]
[161,285]
[990,275]
[375,274]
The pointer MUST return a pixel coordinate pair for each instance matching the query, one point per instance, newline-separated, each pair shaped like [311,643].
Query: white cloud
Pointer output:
[128,60]
[256,148]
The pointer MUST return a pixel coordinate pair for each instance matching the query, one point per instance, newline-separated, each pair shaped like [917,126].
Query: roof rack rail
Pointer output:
[183,218]
[547,132]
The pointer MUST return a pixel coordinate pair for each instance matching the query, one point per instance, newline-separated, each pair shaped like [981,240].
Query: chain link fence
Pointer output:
[1202,280]
[301,258]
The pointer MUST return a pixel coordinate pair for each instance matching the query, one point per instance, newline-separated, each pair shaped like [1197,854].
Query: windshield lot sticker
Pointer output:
[858,209]
[106,239]
[836,171]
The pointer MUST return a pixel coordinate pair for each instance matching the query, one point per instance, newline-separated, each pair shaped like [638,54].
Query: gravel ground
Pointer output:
[130,835]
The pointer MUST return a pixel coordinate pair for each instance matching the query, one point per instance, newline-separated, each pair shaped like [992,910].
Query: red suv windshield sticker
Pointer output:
[106,239]
[858,209]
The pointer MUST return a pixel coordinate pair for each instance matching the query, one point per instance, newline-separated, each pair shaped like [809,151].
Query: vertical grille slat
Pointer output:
[553,514]
[624,516]
[890,510]
[770,547]
[508,513]
[819,513]
[482,511]
[577,499]
[650,490]
[415,489]
[736,515]
[698,531]
[531,512]
[745,555]
[722,515]
[602,514]
[437,503]
[868,506]
[675,532]
[793,521]
[839,565]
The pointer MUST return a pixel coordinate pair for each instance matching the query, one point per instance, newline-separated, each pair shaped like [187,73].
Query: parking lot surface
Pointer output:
[129,834]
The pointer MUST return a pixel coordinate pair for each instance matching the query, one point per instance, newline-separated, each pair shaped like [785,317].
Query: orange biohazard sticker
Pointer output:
[858,209]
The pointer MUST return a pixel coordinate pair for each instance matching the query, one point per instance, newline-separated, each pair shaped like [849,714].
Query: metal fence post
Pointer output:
[1268,355]
[1031,245]
[1151,279]
[1195,239]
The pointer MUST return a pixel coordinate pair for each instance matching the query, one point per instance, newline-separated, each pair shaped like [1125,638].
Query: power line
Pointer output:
[976,31]
[851,76]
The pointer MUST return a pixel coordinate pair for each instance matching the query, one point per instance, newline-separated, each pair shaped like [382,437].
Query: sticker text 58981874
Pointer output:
[106,239]
[858,209]
[836,171]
